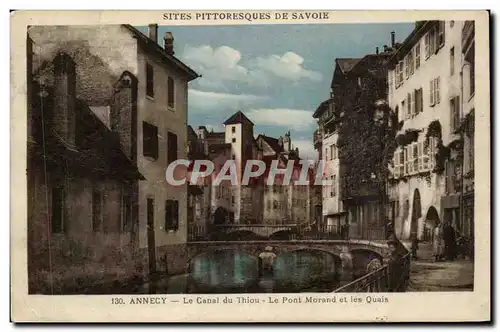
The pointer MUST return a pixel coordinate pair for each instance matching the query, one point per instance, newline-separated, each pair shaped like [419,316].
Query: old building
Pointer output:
[138,90]
[247,199]
[325,141]
[428,88]
[355,192]
[284,203]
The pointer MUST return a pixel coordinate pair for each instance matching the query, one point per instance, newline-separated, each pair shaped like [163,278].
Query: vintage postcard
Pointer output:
[250,166]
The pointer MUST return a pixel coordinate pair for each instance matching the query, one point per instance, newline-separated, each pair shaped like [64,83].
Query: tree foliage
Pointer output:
[366,141]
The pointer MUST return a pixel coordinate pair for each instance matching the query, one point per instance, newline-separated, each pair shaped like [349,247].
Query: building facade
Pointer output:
[428,88]
[141,98]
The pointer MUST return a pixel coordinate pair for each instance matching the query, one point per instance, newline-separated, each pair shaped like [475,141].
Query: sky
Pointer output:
[276,74]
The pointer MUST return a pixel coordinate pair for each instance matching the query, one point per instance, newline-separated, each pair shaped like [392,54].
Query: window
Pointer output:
[275,204]
[427,46]
[440,35]
[411,63]
[452,61]
[58,211]
[171,147]
[406,67]
[126,213]
[396,164]
[326,153]
[150,140]
[334,189]
[233,129]
[171,92]
[396,110]
[403,108]
[332,186]
[400,72]
[408,105]
[332,152]
[432,152]
[233,157]
[417,55]
[415,157]
[470,58]
[455,113]
[405,160]
[150,91]
[471,147]
[420,161]
[233,140]
[96,210]
[434,93]
[419,102]
[171,215]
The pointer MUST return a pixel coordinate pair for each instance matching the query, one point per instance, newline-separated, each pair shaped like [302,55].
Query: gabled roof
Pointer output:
[237,118]
[272,142]
[346,64]
[152,45]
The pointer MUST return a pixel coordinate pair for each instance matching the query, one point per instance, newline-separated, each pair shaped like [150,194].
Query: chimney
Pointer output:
[168,43]
[376,50]
[64,97]
[153,32]
[386,48]
[393,38]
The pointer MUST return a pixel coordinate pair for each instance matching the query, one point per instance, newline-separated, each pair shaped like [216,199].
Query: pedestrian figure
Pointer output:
[389,229]
[450,244]
[414,246]
[438,243]
[395,262]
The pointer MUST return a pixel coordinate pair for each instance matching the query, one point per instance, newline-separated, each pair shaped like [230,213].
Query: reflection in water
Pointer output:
[236,272]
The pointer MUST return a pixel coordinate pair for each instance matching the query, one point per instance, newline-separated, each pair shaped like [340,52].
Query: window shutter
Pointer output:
[417,55]
[431,93]
[427,45]
[432,152]
[408,107]
[420,156]
[415,157]
[413,102]
[406,67]
[421,94]
[405,168]
[401,163]
[441,33]
[436,88]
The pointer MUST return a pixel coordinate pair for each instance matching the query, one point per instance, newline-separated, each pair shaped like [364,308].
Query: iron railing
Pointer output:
[392,277]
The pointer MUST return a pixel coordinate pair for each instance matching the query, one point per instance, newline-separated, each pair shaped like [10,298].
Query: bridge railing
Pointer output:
[392,277]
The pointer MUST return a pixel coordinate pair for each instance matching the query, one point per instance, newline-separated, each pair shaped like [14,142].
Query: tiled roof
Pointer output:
[272,142]
[237,117]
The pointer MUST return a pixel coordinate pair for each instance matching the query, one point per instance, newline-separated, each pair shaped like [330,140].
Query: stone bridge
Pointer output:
[348,253]
[261,230]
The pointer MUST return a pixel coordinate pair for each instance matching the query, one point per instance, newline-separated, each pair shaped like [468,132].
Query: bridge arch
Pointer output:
[284,234]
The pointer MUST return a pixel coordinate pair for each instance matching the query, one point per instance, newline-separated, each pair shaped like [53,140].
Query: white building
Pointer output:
[425,90]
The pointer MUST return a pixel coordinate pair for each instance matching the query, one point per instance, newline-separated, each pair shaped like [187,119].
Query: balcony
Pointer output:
[468,32]
[317,139]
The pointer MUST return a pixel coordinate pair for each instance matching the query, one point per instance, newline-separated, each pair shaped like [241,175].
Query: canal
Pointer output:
[236,272]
